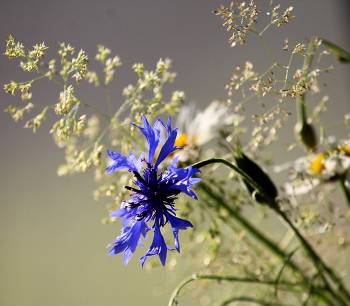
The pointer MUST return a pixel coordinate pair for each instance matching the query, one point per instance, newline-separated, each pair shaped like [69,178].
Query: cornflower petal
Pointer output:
[184,180]
[174,163]
[158,247]
[122,212]
[168,126]
[128,240]
[167,148]
[180,174]
[152,136]
[123,162]
[126,213]
[176,225]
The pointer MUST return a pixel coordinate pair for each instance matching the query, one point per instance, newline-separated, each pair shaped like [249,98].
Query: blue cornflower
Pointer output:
[153,199]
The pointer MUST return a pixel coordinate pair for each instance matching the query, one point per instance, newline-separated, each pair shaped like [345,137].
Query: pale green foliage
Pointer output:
[31,57]
[80,135]
[36,122]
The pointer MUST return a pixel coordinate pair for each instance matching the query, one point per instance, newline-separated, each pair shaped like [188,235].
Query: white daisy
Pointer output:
[199,127]
[313,170]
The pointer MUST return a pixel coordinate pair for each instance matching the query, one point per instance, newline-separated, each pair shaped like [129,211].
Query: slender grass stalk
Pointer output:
[77,99]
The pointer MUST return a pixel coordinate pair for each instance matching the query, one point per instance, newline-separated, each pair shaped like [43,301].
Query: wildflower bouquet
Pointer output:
[206,175]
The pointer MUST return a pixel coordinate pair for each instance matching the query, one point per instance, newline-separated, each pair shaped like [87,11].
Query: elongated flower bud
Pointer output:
[306,134]
[258,175]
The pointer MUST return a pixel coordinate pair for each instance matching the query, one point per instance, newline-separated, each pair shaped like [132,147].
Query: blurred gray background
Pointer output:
[51,237]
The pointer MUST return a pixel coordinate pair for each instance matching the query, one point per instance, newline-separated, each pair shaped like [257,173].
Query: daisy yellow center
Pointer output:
[317,165]
[183,139]
[346,150]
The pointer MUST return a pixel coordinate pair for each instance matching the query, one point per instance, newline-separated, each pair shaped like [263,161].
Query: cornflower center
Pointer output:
[154,198]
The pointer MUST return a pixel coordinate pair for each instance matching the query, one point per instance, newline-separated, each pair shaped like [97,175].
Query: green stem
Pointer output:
[233,167]
[251,229]
[271,55]
[344,298]
[285,263]
[249,300]
[93,109]
[301,113]
[109,103]
[287,286]
[196,277]
[78,100]
[306,68]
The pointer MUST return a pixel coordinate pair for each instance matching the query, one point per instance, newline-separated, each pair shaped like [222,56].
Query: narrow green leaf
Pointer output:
[341,55]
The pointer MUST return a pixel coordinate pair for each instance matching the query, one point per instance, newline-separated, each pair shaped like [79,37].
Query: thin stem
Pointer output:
[285,263]
[270,54]
[93,109]
[219,278]
[109,103]
[250,300]
[252,230]
[228,164]
[301,113]
[305,69]
[244,176]
[287,71]
[245,280]
[78,100]
[31,81]
[196,277]
[318,262]
[178,288]
[344,190]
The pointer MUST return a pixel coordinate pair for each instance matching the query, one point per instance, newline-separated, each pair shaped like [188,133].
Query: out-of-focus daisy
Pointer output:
[197,128]
[326,167]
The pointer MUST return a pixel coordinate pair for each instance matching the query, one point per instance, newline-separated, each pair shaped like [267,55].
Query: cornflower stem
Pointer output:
[344,190]
[340,293]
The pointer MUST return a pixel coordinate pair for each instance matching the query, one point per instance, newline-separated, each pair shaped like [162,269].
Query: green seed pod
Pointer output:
[258,175]
[305,133]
